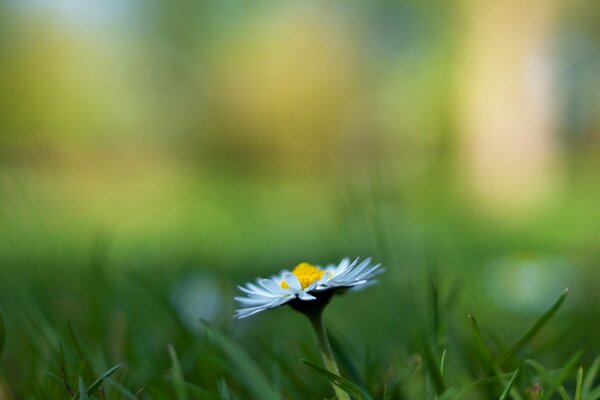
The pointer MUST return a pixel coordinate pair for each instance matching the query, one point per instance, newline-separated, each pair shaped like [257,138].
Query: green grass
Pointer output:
[98,317]
[85,333]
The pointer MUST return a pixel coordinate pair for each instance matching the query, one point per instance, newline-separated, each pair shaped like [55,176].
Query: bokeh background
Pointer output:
[191,146]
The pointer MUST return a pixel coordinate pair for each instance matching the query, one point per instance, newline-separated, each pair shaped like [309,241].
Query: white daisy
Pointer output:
[304,284]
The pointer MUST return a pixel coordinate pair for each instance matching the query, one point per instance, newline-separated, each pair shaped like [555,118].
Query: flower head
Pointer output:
[305,283]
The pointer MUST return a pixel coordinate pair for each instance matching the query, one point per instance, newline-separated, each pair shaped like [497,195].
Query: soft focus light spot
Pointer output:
[79,14]
[197,297]
[526,284]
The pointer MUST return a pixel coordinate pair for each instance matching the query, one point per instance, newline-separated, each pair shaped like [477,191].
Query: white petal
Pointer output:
[351,275]
[361,287]
[356,283]
[359,269]
[258,289]
[258,293]
[343,266]
[376,270]
[272,287]
[305,296]
[252,301]
[246,312]
[292,281]
[279,277]
[312,286]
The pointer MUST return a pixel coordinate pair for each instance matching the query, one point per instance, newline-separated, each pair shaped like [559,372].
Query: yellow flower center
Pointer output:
[306,274]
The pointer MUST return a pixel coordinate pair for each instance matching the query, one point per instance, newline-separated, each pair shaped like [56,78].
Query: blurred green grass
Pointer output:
[129,293]
[154,156]
[85,321]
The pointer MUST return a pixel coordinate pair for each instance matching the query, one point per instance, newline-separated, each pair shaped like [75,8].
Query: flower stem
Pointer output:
[326,353]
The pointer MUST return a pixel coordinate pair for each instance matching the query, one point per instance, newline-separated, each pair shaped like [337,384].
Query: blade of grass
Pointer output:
[249,372]
[442,361]
[386,391]
[192,390]
[514,394]
[178,381]
[82,392]
[578,388]
[154,393]
[497,342]
[390,387]
[537,326]
[432,366]
[593,394]
[273,351]
[63,370]
[195,391]
[590,377]
[563,375]
[55,378]
[511,381]
[75,342]
[126,393]
[563,393]
[343,383]
[99,380]
[555,384]
[435,304]
[482,381]
[2,334]
[540,369]
[408,372]
[86,364]
[485,356]
[344,358]
[224,390]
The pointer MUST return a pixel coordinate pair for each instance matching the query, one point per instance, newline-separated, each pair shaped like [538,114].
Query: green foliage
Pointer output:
[250,373]
[434,369]
[2,334]
[531,332]
[82,391]
[147,170]
[260,358]
[579,385]
[96,384]
[345,384]
[177,376]
[508,387]
[587,389]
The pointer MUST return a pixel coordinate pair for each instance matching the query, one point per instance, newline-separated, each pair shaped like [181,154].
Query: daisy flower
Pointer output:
[305,283]
[308,289]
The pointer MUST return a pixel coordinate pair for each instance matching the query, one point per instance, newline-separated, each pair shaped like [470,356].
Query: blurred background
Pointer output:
[201,144]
